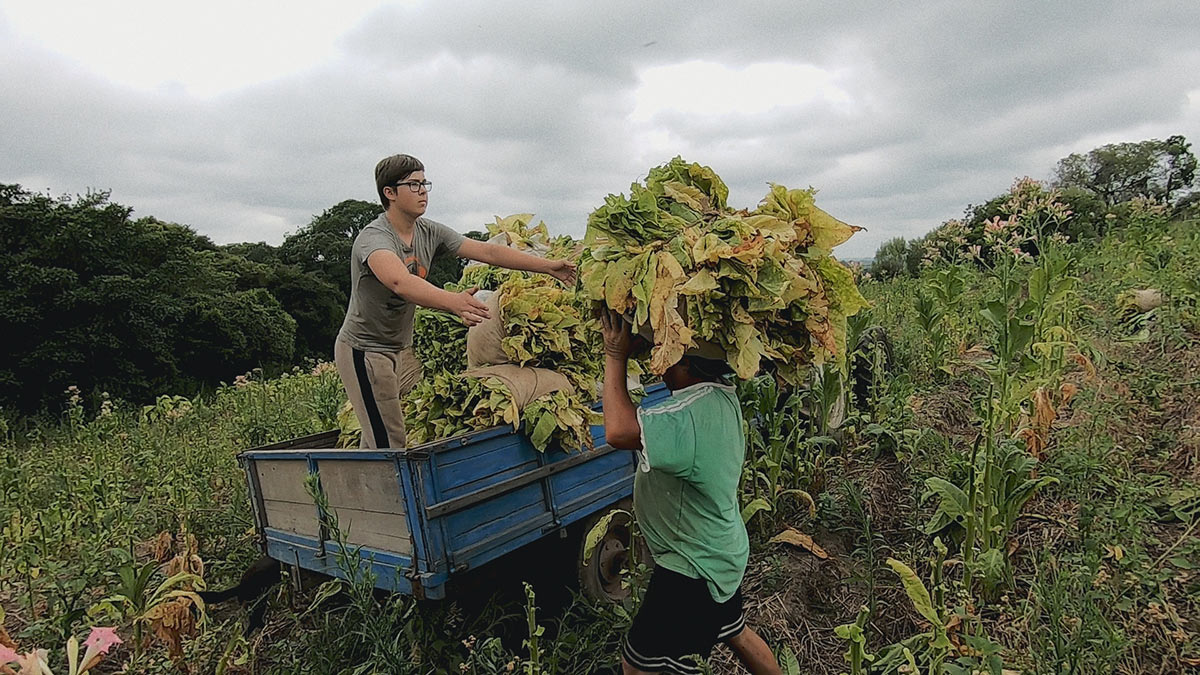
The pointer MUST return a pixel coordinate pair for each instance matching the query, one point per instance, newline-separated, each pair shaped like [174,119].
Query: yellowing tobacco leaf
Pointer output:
[772,226]
[839,285]
[821,332]
[769,270]
[828,231]
[789,205]
[710,249]
[702,282]
[686,194]
[671,334]
[643,289]
[748,349]
[618,283]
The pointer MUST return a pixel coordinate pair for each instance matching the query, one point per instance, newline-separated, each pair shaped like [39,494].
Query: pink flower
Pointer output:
[31,663]
[102,639]
[7,655]
[98,643]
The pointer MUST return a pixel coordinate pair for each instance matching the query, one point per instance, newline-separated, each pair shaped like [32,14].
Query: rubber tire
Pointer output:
[600,578]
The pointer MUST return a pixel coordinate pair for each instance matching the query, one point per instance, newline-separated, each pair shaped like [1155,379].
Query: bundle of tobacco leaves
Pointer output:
[519,234]
[516,232]
[545,326]
[446,404]
[761,285]
[442,405]
[439,341]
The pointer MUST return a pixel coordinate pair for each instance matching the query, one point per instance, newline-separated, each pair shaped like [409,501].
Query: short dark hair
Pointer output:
[392,170]
[708,370]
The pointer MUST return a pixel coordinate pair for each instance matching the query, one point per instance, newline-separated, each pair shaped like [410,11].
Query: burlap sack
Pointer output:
[483,339]
[524,384]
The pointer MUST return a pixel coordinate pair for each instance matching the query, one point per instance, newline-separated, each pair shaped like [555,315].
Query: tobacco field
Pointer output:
[1003,478]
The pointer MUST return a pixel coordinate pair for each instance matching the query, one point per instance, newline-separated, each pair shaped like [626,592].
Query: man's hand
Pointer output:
[618,341]
[470,310]
[621,427]
[563,270]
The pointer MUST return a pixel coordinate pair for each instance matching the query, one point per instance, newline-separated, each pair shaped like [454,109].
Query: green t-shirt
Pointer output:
[378,320]
[685,493]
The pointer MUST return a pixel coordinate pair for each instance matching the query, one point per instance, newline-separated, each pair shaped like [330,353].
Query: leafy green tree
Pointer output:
[1180,167]
[317,306]
[1119,172]
[234,332]
[1088,211]
[259,252]
[93,298]
[912,259]
[323,246]
[891,259]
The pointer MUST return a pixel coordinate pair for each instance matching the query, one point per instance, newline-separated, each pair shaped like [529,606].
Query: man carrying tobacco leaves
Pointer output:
[389,262]
[685,497]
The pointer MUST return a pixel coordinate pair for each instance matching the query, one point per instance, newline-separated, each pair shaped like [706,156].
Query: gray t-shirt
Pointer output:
[378,320]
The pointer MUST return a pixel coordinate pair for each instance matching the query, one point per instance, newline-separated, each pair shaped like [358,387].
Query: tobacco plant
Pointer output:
[775,444]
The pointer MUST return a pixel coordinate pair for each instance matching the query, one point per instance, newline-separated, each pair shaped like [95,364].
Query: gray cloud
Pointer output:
[525,106]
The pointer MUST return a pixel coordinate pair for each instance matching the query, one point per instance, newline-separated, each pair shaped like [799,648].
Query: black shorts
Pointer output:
[679,618]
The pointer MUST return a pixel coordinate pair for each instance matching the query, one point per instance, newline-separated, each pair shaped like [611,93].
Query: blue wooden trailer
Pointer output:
[417,516]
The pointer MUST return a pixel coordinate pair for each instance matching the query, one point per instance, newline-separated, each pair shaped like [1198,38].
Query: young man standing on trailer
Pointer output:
[389,261]
[685,496]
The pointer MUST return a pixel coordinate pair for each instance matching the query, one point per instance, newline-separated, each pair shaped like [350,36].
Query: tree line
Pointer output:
[1097,187]
[96,299]
[135,307]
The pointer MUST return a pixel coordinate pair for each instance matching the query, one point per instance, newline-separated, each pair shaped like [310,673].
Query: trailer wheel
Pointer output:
[601,574]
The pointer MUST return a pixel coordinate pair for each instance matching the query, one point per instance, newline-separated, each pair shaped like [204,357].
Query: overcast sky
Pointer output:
[246,119]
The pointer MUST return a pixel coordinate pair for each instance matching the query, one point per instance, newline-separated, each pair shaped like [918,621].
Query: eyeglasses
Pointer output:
[416,185]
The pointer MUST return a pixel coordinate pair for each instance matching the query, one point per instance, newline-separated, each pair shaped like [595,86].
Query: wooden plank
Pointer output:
[500,532]
[508,442]
[451,489]
[564,495]
[470,469]
[323,439]
[463,439]
[486,550]
[599,464]
[495,515]
[458,503]
[283,479]
[291,516]
[362,485]
[491,461]
[383,531]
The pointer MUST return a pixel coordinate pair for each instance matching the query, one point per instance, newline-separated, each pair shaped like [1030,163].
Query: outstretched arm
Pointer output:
[392,272]
[511,258]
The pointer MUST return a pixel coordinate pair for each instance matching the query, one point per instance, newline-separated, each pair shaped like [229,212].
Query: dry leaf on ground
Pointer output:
[797,538]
